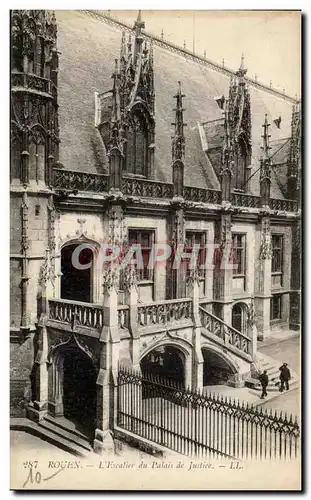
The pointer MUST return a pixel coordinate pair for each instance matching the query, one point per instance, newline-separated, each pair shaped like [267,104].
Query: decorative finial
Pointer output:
[178,145]
[270,84]
[223,62]
[242,62]
[255,77]
[184,44]
[162,34]
[204,54]
[266,138]
[242,70]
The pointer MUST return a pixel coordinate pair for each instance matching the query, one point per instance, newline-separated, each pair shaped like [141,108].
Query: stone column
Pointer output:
[176,287]
[295,298]
[131,299]
[108,369]
[197,357]
[37,409]
[223,267]
[263,276]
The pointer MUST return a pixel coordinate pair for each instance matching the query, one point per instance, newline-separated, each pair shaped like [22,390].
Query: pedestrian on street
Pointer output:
[284,377]
[264,380]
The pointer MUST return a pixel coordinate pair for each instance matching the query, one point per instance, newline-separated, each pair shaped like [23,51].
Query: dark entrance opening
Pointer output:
[215,369]
[165,366]
[76,283]
[166,363]
[79,391]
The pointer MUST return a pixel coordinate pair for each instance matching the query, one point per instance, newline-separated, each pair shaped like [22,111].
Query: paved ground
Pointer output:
[287,351]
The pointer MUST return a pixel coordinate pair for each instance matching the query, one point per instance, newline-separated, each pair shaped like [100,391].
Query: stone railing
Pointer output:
[82,181]
[123,317]
[160,313]
[229,335]
[76,313]
[246,200]
[202,195]
[33,82]
[145,187]
[283,205]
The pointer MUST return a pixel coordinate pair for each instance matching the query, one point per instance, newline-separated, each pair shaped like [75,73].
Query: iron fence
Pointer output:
[199,424]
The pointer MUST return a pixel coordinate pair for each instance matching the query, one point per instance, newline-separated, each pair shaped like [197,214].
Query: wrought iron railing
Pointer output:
[202,195]
[283,205]
[199,424]
[123,317]
[76,313]
[134,186]
[246,200]
[163,312]
[82,181]
[229,335]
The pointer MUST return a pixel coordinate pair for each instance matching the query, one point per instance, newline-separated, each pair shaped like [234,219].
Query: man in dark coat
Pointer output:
[264,380]
[284,377]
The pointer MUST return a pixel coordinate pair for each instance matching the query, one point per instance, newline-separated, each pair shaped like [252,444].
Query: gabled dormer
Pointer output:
[239,121]
[137,101]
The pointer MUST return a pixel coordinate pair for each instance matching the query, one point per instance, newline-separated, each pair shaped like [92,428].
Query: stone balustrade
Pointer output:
[229,335]
[123,317]
[81,181]
[246,200]
[159,313]
[146,188]
[78,313]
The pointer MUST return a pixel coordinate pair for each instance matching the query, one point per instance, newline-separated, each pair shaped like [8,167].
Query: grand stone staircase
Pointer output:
[264,362]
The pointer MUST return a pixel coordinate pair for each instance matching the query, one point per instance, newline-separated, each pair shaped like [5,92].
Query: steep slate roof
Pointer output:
[88,49]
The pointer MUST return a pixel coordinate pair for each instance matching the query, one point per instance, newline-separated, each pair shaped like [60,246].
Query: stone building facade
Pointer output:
[97,160]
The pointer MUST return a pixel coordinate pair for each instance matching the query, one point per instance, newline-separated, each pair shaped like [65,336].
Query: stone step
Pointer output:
[67,425]
[49,436]
[80,443]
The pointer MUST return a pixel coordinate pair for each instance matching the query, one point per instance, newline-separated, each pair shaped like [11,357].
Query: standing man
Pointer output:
[284,377]
[264,380]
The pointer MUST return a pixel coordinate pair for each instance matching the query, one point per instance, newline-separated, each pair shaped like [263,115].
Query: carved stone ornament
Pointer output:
[129,278]
[265,245]
[193,277]
[251,313]
[47,271]
[110,278]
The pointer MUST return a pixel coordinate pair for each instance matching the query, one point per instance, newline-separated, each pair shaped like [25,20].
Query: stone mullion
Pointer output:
[223,271]
[263,281]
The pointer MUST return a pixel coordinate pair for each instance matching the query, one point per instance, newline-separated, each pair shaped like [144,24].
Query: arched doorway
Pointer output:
[237,317]
[216,370]
[164,365]
[76,283]
[79,390]
[165,362]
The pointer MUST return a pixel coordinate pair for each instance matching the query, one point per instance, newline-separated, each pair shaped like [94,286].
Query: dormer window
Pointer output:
[220,100]
[137,146]
[277,122]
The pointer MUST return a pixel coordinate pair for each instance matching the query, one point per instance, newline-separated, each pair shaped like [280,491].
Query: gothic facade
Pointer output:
[97,160]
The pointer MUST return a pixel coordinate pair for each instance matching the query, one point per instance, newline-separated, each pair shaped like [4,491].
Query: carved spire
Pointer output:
[242,70]
[138,26]
[178,143]
[226,167]
[265,165]
[115,130]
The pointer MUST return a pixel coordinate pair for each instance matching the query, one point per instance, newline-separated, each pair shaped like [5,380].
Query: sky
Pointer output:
[269,40]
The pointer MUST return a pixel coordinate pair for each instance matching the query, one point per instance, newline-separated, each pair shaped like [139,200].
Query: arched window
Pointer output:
[241,163]
[36,156]
[136,150]
[238,317]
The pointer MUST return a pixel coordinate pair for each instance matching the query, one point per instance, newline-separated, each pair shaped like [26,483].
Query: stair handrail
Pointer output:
[226,324]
